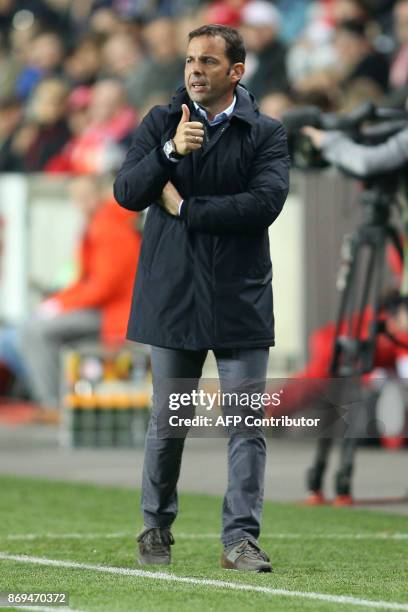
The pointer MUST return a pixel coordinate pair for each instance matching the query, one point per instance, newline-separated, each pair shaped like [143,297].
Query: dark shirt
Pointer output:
[9,162]
[270,75]
[374,66]
[48,142]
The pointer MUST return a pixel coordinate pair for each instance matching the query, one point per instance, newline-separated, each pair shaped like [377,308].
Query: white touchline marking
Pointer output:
[209,536]
[67,536]
[219,584]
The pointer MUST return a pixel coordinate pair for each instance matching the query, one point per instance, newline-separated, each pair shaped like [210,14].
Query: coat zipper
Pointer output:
[213,141]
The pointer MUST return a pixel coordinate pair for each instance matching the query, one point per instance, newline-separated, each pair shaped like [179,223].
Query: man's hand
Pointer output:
[171,199]
[48,309]
[315,135]
[189,135]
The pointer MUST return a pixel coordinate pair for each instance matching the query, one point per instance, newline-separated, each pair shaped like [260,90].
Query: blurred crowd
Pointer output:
[77,76]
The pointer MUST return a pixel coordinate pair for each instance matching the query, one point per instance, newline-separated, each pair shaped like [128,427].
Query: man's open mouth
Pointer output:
[198,86]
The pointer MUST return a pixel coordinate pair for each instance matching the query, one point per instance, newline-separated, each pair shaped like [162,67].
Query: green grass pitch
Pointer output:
[322,550]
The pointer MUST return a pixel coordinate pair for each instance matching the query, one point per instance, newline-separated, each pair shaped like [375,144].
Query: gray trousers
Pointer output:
[41,341]
[243,501]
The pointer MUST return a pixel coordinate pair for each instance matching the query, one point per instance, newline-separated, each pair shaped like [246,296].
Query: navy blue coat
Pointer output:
[204,278]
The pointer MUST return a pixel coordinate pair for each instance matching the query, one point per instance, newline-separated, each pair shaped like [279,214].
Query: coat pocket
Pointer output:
[151,237]
[242,256]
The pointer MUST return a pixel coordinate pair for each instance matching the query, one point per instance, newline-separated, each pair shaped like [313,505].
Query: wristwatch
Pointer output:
[169,149]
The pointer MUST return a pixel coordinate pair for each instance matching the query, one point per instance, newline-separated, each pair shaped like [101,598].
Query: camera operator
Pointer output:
[361,160]
[365,161]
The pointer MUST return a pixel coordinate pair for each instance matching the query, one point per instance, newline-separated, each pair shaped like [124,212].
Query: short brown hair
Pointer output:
[234,43]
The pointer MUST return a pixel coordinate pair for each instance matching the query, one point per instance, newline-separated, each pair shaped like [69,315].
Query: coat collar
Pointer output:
[245,109]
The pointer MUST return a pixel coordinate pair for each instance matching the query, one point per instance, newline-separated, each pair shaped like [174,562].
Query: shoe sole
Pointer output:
[315,498]
[144,561]
[227,564]
[343,500]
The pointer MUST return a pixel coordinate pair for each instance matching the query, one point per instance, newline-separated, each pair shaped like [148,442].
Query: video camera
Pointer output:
[367,124]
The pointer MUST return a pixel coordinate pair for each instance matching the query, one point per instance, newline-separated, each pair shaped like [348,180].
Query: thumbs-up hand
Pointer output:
[186,113]
[189,135]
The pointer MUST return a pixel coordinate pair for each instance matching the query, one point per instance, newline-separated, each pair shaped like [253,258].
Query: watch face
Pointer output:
[168,148]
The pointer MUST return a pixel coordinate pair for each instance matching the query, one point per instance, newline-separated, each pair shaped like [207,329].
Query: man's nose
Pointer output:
[196,68]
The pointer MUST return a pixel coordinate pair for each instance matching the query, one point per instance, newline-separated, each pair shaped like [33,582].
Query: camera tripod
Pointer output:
[362,278]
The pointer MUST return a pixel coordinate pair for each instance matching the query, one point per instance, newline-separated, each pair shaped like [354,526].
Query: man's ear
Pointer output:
[237,71]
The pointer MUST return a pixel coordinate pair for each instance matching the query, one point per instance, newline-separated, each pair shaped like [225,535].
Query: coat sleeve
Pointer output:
[146,169]
[256,208]
[363,160]
[114,253]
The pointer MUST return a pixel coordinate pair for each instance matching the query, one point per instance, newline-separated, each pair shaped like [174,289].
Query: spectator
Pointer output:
[97,304]
[104,21]
[311,385]
[78,105]
[6,16]
[162,68]
[9,70]
[11,113]
[13,373]
[357,58]
[313,51]
[386,352]
[357,92]
[117,38]
[46,53]
[399,66]
[147,10]
[122,57]
[20,42]
[45,131]
[110,123]
[43,14]
[266,70]
[320,88]
[295,12]
[83,64]
[360,73]
[350,10]
[275,105]
[381,12]
[225,12]
[155,100]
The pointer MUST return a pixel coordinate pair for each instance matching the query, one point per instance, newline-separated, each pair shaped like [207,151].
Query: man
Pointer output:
[161,69]
[96,305]
[312,382]
[261,25]
[214,173]
[361,160]
[98,147]
[399,65]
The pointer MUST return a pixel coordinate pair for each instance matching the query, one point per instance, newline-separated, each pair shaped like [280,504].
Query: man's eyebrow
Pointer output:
[204,57]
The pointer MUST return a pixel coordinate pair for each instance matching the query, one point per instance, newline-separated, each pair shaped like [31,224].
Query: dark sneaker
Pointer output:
[246,556]
[154,546]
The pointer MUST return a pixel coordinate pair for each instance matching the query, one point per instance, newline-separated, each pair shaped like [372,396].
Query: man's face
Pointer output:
[209,77]
[398,322]
[350,49]
[86,195]
[401,21]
